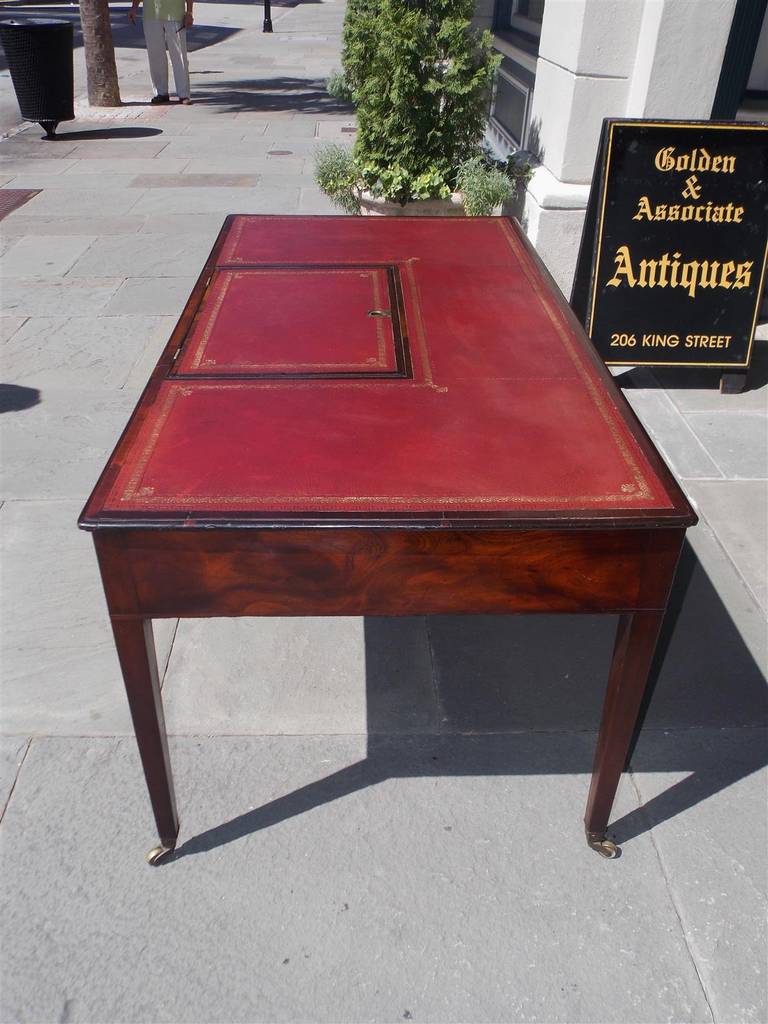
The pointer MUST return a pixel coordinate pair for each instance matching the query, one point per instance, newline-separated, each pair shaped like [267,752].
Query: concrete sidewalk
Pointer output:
[380,818]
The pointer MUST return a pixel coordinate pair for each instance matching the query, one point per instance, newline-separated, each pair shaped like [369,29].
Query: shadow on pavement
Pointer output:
[14,398]
[105,133]
[522,695]
[299,95]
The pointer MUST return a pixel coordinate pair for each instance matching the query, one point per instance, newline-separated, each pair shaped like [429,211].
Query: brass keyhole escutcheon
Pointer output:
[379,312]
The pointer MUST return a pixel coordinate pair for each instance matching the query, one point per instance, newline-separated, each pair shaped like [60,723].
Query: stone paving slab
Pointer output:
[138,149]
[300,676]
[714,856]
[82,352]
[12,165]
[227,130]
[312,887]
[18,225]
[44,256]
[736,605]
[71,201]
[737,441]
[127,165]
[12,751]
[197,149]
[57,296]
[246,148]
[60,670]
[216,200]
[266,676]
[32,146]
[196,181]
[208,224]
[510,673]
[714,646]
[57,447]
[143,255]
[9,325]
[91,181]
[684,452]
[262,165]
[737,511]
[151,297]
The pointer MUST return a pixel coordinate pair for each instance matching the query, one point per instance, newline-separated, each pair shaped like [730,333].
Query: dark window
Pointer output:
[509,107]
[531,9]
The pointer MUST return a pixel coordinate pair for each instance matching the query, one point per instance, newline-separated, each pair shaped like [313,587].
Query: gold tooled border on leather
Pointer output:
[198,346]
[628,491]
[134,493]
[609,416]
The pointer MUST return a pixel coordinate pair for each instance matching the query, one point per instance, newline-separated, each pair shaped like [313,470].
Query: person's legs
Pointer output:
[154,34]
[176,41]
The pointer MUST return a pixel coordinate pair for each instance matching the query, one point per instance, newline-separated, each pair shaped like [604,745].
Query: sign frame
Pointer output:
[584,295]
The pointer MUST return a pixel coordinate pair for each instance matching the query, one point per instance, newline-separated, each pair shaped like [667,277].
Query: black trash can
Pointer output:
[39,53]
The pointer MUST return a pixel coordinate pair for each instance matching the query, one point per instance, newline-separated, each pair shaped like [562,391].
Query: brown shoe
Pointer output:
[186,101]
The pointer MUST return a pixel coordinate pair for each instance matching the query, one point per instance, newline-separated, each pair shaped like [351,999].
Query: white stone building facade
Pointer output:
[567,64]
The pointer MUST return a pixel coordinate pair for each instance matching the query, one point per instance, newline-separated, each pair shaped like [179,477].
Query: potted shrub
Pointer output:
[420,78]
[359,39]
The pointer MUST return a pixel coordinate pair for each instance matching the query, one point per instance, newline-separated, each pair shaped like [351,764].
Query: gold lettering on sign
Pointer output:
[675,272]
[692,188]
[661,340]
[697,160]
[705,213]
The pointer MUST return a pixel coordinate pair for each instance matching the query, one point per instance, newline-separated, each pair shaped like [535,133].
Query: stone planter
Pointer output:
[374,206]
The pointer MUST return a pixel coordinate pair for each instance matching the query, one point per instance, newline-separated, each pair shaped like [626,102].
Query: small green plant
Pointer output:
[337,86]
[337,175]
[483,188]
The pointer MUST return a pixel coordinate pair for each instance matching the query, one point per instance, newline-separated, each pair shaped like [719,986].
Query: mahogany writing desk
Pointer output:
[364,416]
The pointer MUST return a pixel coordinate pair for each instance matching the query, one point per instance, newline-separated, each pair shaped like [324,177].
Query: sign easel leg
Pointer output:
[733,383]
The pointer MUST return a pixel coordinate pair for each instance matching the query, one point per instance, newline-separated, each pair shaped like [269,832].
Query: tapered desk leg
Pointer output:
[635,643]
[136,651]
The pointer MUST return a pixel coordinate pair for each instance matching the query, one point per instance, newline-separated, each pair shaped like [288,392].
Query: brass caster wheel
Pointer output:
[605,847]
[158,853]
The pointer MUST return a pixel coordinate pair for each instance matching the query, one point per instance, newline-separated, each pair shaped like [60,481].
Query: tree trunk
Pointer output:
[103,88]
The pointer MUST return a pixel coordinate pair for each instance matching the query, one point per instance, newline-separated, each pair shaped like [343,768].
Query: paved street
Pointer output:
[380,818]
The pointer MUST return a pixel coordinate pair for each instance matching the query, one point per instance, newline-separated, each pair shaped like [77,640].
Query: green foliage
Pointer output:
[519,169]
[421,80]
[337,175]
[483,188]
[359,41]
[337,86]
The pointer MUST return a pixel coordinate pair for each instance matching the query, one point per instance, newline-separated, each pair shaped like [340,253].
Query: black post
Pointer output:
[267,16]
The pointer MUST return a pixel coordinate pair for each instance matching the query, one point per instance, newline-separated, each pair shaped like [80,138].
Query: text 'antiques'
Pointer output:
[673,254]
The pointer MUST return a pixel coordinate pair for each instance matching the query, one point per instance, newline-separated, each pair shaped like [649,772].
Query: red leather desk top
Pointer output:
[348,368]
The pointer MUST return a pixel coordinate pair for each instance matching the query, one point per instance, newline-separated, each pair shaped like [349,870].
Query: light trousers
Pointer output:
[171,36]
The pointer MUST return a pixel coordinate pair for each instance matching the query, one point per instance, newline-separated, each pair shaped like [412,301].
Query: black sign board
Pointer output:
[673,253]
